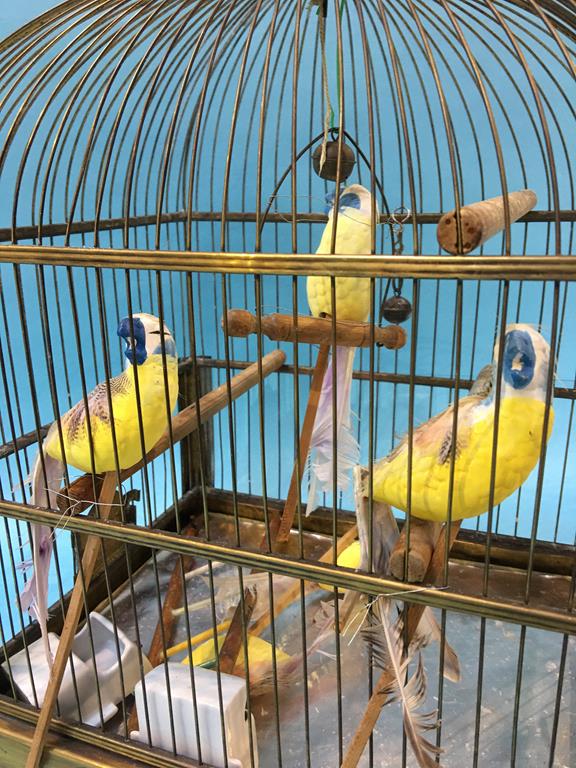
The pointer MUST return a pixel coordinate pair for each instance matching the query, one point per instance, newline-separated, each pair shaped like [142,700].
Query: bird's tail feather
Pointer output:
[375,551]
[34,596]
[429,631]
[384,536]
[385,639]
[321,444]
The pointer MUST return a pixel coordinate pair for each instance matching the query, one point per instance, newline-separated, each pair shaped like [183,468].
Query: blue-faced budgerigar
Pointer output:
[525,371]
[353,236]
[144,352]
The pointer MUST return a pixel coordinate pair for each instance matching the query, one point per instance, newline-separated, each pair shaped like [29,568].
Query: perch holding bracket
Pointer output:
[314,330]
[310,330]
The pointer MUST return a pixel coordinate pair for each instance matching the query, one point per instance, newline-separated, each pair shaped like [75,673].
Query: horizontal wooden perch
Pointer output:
[481,221]
[313,330]
[81,493]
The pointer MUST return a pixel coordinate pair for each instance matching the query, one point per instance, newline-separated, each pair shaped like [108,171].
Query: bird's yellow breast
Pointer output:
[354,236]
[352,297]
[519,441]
[125,418]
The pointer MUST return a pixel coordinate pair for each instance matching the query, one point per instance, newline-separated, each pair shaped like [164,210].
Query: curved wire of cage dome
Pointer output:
[166,144]
[137,107]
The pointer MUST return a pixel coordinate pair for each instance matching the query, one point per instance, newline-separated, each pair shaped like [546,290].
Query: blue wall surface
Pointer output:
[14,15]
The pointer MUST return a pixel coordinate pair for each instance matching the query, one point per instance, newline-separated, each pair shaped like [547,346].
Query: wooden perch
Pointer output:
[291,505]
[423,537]
[314,330]
[481,221]
[81,493]
[415,611]
[234,640]
[183,424]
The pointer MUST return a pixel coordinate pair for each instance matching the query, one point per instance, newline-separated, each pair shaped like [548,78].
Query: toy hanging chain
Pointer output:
[396,309]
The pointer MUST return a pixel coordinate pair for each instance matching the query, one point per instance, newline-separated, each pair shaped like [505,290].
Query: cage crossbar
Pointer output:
[301,569]
[54,229]
[347,265]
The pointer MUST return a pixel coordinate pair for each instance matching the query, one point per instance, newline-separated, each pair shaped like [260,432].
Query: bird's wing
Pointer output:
[435,435]
[74,421]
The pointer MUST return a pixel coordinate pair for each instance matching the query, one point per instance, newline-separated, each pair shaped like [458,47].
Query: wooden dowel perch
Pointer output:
[305,438]
[481,221]
[234,637]
[183,424]
[423,537]
[314,330]
[378,698]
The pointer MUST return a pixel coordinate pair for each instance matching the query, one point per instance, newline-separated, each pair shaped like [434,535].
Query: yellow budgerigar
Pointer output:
[526,362]
[145,351]
[143,335]
[353,236]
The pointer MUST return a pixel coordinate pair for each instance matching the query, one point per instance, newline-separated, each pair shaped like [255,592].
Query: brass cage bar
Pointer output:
[105,741]
[104,225]
[492,267]
[311,571]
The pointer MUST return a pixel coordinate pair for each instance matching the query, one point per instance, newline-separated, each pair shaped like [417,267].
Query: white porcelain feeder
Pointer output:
[108,678]
[234,697]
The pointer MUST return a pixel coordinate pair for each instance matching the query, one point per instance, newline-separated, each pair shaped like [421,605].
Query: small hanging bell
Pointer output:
[396,309]
[328,170]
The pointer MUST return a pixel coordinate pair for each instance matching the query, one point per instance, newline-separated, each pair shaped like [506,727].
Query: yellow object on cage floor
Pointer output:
[259,651]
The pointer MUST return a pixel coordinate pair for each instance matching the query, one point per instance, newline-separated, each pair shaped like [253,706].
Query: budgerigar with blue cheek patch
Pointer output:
[143,335]
[353,236]
[145,352]
[525,371]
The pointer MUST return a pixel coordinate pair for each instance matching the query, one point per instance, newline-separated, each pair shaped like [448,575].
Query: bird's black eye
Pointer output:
[156,332]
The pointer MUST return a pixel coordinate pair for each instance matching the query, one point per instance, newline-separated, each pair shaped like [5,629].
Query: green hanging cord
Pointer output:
[329,117]
[342,4]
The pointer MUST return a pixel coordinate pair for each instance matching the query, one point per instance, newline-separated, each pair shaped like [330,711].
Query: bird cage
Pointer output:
[252,192]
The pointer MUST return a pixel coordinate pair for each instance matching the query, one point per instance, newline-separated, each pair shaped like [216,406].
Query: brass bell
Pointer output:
[328,170]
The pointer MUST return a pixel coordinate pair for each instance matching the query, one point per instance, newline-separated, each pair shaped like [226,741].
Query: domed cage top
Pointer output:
[182,159]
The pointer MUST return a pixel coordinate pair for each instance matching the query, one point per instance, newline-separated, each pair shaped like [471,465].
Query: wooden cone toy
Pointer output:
[481,221]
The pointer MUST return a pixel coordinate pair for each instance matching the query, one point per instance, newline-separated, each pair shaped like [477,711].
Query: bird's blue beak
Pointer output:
[519,359]
[135,343]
